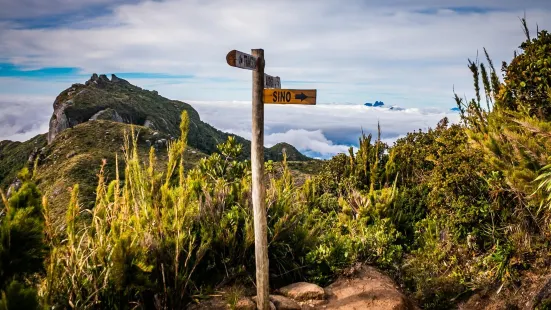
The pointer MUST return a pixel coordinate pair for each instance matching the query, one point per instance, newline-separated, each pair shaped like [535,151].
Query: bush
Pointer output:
[22,245]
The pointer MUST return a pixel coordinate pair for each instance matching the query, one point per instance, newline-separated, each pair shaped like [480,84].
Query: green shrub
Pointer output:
[22,245]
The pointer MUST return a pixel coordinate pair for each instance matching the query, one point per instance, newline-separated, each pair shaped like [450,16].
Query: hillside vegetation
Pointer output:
[449,212]
[88,126]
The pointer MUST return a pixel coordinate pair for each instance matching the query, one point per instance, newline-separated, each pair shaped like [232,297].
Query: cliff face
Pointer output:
[119,101]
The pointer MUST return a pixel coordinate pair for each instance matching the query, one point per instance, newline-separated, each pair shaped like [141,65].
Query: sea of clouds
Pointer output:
[322,130]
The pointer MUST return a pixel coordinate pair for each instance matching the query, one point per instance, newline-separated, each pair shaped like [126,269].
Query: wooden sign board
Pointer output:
[241,60]
[272,81]
[290,96]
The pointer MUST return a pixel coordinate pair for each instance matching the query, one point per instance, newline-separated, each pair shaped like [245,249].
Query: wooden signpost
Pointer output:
[266,89]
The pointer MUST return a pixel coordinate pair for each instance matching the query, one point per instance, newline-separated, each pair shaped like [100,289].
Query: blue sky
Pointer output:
[406,53]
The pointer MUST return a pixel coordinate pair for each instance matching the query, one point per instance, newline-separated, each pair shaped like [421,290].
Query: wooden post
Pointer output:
[259,190]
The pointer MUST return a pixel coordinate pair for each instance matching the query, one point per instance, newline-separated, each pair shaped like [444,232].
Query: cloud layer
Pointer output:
[401,52]
[23,117]
[321,130]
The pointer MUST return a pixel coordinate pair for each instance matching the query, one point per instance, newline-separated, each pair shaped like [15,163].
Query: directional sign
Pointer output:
[241,60]
[272,81]
[289,96]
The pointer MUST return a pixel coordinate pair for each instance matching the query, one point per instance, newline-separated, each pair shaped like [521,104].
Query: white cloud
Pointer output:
[306,141]
[23,117]
[367,51]
[320,129]
[353,53]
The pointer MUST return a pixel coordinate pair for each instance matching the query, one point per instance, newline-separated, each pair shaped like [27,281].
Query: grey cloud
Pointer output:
[38,8]
[18,9]
[362,48]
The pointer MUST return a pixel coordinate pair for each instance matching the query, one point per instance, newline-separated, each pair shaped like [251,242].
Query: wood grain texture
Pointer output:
[259,190]
[241,60]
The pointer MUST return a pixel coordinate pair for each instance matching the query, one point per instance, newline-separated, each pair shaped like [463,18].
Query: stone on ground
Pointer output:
[302,291]
[284,303]
[367,289]
[272,306]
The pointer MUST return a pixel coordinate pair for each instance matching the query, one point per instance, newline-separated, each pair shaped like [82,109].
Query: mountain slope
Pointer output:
[14,155]
[88,126]
[75,156]
[118,100]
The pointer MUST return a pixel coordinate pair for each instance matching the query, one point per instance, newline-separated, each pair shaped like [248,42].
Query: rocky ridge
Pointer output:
[116,100]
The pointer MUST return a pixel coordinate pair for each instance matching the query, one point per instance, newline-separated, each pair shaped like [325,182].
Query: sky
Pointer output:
[412,54]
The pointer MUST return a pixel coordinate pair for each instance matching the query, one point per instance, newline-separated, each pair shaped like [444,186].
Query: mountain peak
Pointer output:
[116,100]
[125,102]
[102,80]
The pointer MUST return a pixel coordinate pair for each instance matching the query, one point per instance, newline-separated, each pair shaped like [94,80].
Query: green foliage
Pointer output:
[511,139]
[151,239]
[22,245]
[18,297]
[156,237]
[14,157]
[528,77]
[448,211]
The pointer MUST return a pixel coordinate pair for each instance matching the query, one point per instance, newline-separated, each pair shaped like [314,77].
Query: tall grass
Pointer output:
[157,238]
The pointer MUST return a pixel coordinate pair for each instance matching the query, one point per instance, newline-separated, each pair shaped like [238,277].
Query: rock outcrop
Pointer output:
[116,100]
[363,288]
[58,121]
[80,103]
[107,115]
[303,291]
[367,289]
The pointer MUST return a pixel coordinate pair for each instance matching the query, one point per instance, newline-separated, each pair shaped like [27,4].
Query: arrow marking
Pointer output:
[301,96]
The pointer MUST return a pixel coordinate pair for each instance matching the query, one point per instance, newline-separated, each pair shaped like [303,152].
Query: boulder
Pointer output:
[149,124]
[107,115]
[366,289]
[272,306]
[302,291]
[284,303]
